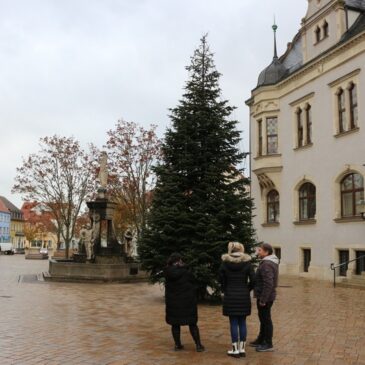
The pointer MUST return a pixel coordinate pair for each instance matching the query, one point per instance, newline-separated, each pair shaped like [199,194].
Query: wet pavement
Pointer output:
[115,324]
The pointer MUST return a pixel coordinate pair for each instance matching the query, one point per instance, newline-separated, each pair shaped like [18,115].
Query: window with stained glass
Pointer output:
[272,135]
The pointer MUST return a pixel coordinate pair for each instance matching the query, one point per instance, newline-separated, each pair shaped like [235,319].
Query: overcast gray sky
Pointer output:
[74,67]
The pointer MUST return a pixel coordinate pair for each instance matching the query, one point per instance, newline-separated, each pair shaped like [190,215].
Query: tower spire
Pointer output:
[275,28]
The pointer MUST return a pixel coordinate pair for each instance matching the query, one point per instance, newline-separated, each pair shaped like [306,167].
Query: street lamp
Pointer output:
[362,208]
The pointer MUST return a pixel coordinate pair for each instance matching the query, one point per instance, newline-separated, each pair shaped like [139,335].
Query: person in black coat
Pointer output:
[181,301]
[237,278]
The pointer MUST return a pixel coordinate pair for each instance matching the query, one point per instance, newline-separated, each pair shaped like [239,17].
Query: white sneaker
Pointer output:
[234,352]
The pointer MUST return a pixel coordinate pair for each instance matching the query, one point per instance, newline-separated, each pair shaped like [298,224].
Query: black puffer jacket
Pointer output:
[237,278]
[181,296]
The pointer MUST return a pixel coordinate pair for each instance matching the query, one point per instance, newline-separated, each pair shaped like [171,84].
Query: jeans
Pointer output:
[238,328]
[266,326]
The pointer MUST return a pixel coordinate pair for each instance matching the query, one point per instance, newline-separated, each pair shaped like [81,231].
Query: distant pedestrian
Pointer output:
[265,291]
[181,301]
[237,279]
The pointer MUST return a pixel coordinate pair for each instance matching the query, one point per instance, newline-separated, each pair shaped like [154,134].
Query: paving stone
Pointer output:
[85,324]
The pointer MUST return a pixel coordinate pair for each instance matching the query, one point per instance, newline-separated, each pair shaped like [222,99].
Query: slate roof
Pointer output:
[292,60]
[356,4]
[272,74]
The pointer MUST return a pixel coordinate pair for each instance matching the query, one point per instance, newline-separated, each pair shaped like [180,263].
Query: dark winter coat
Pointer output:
[237,278]
[267,276]
[181,296]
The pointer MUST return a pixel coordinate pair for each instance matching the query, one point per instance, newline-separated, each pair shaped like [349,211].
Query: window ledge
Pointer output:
[308,145]
[354,130]
[267,156]
[305,222]
[349,219]
[272,224]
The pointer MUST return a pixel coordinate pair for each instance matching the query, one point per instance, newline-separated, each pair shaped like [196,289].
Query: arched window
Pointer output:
[307,201]
[341,110]
[300,128]
[352,192]
[353,106]
[325,29]
[273,206]
[317,34]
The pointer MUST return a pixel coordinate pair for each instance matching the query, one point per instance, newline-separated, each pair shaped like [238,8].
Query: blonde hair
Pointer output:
[235,247]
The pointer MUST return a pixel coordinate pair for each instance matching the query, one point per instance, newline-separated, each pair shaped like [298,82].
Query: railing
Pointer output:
[334,267]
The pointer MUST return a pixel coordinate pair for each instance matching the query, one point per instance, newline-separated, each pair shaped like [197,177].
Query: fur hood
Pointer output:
[236,258]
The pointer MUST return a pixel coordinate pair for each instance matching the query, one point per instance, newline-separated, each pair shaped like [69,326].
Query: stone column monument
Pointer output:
[106,248]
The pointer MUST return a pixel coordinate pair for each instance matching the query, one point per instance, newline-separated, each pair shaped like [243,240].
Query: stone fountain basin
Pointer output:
[70,271]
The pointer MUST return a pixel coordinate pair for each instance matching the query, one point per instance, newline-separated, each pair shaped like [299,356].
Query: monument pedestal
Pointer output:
[95,272]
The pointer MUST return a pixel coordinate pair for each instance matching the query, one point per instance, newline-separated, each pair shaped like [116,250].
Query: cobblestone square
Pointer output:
[74,324]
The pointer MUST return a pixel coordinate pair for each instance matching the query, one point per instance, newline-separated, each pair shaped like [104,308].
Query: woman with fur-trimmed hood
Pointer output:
[237,278]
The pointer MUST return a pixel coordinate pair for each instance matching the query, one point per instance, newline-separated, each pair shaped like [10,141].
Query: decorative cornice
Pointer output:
[344,78]
[302,99]
[264,170]
[267,156]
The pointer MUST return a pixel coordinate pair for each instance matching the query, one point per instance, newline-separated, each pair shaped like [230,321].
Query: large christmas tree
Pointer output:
[200,202]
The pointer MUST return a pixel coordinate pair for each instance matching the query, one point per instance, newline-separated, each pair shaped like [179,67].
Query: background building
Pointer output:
[40,226]
[16,223]
[4,223]
[308,143]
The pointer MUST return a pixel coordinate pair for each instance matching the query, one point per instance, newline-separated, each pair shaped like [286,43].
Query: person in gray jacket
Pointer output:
[266,282]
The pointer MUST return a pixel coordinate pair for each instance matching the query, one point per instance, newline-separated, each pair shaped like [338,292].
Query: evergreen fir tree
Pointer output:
[200,202]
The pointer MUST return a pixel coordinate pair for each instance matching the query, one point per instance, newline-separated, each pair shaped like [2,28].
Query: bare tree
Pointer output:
[61,176]
[133,150]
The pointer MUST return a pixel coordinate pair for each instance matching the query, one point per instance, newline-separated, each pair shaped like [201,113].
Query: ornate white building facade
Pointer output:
[308,143]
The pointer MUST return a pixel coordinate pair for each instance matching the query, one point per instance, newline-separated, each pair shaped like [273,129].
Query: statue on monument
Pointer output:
[85,242]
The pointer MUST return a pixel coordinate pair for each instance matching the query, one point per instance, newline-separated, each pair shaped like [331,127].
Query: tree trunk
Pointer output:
[67,252]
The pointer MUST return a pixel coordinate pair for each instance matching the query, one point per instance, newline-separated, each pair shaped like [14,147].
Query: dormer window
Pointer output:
[317,34]
[321,32]
[325,29]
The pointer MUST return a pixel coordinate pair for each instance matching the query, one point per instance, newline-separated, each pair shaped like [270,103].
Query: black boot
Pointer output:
[176,335]
[194,331]
[258,342]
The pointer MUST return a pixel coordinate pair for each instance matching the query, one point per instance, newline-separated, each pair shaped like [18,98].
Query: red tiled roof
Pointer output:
[3,207]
